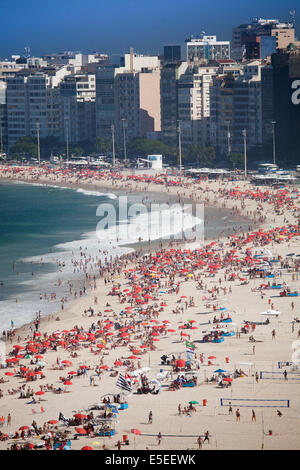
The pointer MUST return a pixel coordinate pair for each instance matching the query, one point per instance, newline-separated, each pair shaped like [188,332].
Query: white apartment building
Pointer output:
[194,103]
[137,62]
[207,48]
[32,97]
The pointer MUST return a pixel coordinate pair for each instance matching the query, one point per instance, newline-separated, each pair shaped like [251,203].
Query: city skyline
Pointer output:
[114,28]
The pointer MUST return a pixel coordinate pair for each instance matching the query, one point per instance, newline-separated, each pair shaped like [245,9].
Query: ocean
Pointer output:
[44,228]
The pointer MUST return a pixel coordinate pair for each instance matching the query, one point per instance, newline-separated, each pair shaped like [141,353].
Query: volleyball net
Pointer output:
[254,403]
[266,375]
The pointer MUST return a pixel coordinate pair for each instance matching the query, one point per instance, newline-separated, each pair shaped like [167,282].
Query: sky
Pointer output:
[113,26]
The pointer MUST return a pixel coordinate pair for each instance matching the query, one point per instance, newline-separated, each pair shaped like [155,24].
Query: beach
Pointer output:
[204,292]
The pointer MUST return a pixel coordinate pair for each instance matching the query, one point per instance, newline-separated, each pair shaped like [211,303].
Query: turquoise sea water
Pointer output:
[33,221]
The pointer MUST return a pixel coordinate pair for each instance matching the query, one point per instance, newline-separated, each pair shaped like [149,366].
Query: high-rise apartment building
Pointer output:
[33,97]
[236,104]
[286,79]
[78,108]
[194,104]
[261,38]
[3,117]
[129,98]
[207,48]
[105,101]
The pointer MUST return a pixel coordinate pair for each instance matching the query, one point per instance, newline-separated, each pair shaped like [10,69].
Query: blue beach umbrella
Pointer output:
[220,370]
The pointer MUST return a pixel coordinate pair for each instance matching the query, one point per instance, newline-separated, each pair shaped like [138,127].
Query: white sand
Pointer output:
[225,431]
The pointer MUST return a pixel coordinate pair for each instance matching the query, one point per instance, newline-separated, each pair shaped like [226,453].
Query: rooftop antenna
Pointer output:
[131,59]
[292,17]
[27,52]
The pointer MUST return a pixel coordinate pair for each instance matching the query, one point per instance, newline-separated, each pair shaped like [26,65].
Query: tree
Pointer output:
[199,155]
[141,147]
[103,145]
[51,145]
[237,159]
[25,147]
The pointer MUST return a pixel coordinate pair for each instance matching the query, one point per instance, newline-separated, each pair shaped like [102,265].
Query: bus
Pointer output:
[264,168]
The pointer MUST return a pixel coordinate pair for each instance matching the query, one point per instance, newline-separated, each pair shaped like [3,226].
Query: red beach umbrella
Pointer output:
[136,431]
[81,430]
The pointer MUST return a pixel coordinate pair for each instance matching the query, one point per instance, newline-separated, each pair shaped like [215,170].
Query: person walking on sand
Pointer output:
[273,334]
[206,437]
[238,415]
[256,377]
[285,375]
[159,438]
[200,442]
[230,412]
[253,416]
[8,421]
[150,418]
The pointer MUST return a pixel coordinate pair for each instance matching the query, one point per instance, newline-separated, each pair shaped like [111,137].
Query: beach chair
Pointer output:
[42,410]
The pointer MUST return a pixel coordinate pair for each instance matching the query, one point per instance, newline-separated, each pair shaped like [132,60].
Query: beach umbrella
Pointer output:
[40,392]
[80,416]
[133,357]
[68,382]
[211,357]
[180,363]
[9,373]
[219,371]
[193,402]
[136,431]
[23,428]
[18,347]
[81,430]
[52,421]
[86,448]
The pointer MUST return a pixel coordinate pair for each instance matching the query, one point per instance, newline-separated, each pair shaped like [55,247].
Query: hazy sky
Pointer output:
[113,26]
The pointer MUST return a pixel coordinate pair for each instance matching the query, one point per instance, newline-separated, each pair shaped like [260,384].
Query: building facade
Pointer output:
[236,104]
[207,48]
